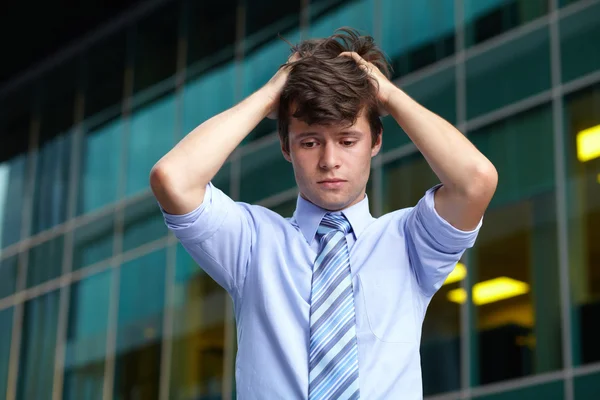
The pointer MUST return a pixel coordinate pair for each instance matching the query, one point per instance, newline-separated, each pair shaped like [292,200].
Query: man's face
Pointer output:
[331,162]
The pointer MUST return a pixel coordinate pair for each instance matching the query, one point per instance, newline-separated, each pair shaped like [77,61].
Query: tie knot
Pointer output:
[334,222]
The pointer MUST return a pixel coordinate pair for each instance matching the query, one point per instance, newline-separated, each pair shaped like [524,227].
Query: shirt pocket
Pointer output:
[388,301]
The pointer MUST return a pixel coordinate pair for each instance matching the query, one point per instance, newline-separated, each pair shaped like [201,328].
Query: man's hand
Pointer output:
[385,87]
[276,84]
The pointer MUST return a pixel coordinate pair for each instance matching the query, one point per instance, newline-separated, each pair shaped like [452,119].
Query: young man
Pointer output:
[329,304]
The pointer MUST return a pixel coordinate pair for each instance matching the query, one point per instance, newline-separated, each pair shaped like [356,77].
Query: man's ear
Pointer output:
[377,146]
[286,153]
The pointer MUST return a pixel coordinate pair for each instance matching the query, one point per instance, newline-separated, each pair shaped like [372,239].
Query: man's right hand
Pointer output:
[276,84]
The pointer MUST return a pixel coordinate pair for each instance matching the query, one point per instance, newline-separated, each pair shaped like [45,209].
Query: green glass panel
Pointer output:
[579,38]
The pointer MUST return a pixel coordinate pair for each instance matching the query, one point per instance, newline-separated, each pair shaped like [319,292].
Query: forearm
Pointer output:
[454,159]
[179,178]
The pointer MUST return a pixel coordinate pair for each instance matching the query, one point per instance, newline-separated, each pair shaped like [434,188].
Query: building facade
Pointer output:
[97,299]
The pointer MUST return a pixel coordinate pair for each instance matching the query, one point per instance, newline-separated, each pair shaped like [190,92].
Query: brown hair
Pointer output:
[323,88]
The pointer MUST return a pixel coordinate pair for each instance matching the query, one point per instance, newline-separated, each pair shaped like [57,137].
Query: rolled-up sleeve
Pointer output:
[218,235]
[434,245]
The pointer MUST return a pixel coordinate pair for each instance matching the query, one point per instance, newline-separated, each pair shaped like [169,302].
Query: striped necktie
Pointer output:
[333,362]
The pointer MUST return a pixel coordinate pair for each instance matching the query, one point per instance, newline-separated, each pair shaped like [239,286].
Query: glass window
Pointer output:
[6,318]
[93,242]
[587,387]
[152,135]
[45,261]
[105,73]
[140,321]
[265,173]
[38,347]
[510,72]
[436,92]
[144,223]
[326,18]
[285,209]
[516,316]
[485,19]
[8,276]
[548,391]
[197,362]
[211,31]
[156,38]
[51,190]
[208,95]
[86,337]
[14,123]
[579,38]
[582,130]
[415,34]
[100,163]
[404,183]
[267,18]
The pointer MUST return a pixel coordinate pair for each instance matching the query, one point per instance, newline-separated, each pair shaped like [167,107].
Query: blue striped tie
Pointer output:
[333,363]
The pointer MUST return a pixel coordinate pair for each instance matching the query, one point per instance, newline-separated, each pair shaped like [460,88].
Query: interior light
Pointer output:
[490,291]
[458,274]
[588,144]
[598,178]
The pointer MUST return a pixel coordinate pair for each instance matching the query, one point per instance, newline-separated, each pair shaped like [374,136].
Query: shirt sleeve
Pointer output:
[434,245]
[218,235]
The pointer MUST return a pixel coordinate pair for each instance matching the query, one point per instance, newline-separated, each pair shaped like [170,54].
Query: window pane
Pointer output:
[12,188]
[405,182]
[587,387]
[6,317]
[548,391]
[508,73]
[93,242]
[286,209]
[100,163]
[519,332]
[86,338]
[356,14]
[51,191]
[8,276]
[435,92]
[139,332]
[199,324]
[579,38]
[582,111]
[152,136]
[416,33]
[38,346]
[144,223]
[265,173]
[211,31]
[105,73]
[156,46]
[207,96]
[266,18]
[488,18]
[45,261]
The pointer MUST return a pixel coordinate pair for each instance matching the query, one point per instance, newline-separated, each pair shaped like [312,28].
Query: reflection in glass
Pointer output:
[38,347]
[45,261]
[265,173]
[139,332]
[86,338]
[51,190]
[198,304]
[6,317]
[511,72]
[100,165]
[152,136]
[8,276]
[404,184]
[582,112]
[516,310]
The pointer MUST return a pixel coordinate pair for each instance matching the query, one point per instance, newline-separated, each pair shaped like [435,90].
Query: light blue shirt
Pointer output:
[264,261]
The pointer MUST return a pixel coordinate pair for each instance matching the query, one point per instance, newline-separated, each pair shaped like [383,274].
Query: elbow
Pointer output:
[160,179]
[484,180]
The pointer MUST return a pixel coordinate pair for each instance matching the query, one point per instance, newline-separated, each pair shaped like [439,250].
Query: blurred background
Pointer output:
[97,299]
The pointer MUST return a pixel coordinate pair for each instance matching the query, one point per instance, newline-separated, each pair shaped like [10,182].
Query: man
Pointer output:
[329,303]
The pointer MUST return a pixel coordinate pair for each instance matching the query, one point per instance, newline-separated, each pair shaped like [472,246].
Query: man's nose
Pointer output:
[329,157]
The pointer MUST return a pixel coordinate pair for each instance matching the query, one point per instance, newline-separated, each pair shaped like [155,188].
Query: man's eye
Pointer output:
[309,145]
[348,143]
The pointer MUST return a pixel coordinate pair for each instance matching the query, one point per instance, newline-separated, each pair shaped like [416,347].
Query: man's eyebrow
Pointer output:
[304,135]
[351,132]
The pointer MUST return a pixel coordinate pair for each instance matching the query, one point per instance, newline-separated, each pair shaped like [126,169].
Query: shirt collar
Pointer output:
[308,216]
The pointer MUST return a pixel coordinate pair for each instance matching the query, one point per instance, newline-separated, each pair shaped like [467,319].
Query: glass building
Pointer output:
[98,300]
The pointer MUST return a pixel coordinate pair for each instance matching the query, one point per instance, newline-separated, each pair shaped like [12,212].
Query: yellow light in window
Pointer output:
[588,144]
[490,291]
[458,274]
[598,178]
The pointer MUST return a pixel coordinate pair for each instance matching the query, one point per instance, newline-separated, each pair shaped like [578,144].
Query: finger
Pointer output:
[354,55]
[294,57]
